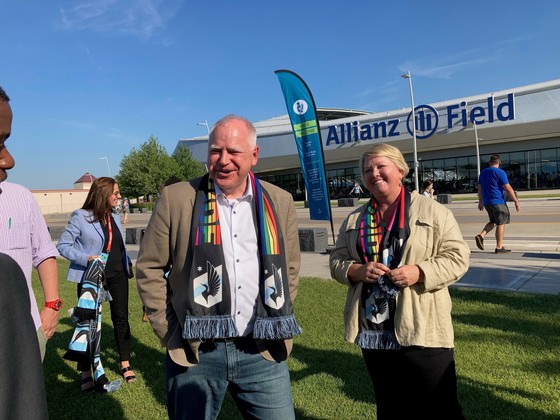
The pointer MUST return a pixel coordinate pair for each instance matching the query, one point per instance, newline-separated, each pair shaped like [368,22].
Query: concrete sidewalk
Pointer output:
[533,236]
[522,271]
[518,271]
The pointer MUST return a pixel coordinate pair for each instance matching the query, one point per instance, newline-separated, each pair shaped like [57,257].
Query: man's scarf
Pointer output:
[378,300]
[208,289]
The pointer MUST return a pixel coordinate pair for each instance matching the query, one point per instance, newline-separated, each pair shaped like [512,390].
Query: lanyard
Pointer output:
[110,228]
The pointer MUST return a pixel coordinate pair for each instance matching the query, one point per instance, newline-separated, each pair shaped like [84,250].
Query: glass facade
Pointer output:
[341,182]
[293,183]
[526,170]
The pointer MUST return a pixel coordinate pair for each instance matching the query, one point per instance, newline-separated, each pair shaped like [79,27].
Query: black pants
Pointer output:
[414,382]
[118,287]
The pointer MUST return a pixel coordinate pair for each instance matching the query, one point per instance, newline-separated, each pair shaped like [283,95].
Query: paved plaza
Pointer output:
[533,236]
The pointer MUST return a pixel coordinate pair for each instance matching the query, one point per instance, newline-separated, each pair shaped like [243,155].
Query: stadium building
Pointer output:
[521,124]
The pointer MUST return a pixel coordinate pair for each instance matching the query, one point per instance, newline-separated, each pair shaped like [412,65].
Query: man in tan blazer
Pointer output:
[200,366]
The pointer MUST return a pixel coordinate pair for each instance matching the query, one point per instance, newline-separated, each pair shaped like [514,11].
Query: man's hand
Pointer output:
[48,275]
[49,321]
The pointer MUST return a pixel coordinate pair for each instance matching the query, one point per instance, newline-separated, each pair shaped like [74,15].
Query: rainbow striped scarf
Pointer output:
[385,244]
[208,298]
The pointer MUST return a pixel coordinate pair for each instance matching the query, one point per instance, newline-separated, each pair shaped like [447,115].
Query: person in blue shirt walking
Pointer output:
[491,185]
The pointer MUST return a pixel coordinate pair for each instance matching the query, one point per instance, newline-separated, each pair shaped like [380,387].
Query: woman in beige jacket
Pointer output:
[397,254]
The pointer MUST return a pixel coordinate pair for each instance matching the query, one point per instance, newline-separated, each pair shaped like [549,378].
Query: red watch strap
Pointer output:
[54,304]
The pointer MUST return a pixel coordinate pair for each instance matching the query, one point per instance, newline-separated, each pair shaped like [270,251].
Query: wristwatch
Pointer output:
[54,304]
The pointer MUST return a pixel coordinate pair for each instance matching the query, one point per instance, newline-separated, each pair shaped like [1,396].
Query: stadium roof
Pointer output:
[281,124]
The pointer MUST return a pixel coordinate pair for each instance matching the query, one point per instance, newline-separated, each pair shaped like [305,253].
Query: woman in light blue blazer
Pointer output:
[95,231]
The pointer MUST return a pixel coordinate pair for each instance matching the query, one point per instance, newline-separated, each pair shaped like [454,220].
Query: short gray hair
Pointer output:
[228,118]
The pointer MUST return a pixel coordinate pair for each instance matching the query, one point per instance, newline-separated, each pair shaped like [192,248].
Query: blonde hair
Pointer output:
[387,151]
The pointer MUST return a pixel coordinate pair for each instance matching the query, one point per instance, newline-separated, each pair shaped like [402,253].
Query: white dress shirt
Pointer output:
[241,256]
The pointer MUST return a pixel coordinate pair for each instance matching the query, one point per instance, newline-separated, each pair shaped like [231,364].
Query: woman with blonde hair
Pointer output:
[398,253]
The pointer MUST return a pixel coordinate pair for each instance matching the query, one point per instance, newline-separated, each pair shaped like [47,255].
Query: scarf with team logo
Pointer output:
[84,347]
[208,290]
[383,244]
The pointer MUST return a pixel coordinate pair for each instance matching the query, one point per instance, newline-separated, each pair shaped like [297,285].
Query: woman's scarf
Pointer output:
[84,346]
[208,290]
[378,300]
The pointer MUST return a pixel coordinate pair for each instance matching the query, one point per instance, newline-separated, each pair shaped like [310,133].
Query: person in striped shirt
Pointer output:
[24,236]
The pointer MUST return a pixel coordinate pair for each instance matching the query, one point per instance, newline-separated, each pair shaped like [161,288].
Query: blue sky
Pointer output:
[94,78]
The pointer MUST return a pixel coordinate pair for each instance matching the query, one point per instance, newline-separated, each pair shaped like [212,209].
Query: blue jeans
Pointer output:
[260,388]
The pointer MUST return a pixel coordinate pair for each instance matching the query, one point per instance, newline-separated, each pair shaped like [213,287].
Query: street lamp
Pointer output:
[206,124]
[476,139]
[106,160]
[477,150]
[409,77]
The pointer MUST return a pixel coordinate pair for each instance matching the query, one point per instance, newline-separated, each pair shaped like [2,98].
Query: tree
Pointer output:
[189,167]
[145,169]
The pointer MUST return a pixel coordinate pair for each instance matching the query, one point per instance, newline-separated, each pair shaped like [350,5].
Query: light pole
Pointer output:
[409,77]
[477,151]
[206,124]
[106,160]
[476,139]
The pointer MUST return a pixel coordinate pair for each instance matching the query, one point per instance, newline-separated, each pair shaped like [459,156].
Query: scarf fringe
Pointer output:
[276,328]
[215,326]
[377,340]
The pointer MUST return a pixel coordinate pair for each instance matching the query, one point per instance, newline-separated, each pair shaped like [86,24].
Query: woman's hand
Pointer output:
[367,273]
[92,257]
[405,276]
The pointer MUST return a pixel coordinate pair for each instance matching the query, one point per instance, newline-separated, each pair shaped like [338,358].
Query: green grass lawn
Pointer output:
[507,353]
